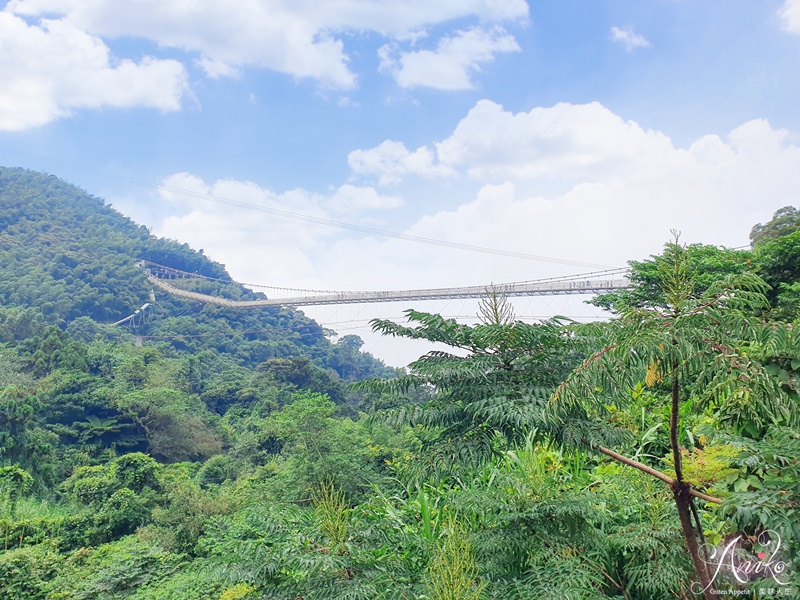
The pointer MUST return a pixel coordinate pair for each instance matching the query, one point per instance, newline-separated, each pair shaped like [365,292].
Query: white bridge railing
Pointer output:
[589,283]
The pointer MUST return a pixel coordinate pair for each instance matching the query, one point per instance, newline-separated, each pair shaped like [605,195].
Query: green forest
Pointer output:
[208,453]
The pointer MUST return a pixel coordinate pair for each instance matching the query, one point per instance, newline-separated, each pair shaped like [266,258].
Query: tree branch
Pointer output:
[586,363]
[635,464]
[706,497]
[651,471]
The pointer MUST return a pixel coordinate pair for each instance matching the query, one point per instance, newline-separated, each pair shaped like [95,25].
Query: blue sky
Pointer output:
[581,130]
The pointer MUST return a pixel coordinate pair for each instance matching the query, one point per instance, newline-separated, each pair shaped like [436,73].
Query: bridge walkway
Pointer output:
[590,283]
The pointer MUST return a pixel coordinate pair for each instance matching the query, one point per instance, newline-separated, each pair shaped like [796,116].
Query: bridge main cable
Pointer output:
[588,283]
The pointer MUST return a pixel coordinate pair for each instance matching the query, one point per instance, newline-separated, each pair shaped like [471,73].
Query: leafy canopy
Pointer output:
[489,391]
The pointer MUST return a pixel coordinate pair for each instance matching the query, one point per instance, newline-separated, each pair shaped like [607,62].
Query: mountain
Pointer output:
[207,453]
[68,259]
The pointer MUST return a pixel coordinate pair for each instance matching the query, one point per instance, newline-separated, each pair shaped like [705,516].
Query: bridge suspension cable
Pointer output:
[587,283]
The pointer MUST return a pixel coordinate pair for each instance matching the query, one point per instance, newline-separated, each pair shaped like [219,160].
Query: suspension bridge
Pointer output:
[587,283]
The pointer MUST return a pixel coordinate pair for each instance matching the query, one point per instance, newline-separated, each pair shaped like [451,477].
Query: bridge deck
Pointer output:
[529,288]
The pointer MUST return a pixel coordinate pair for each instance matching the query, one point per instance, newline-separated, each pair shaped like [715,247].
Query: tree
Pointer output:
[176,424]
[19,323]
[777,260]
[711,263]
[486,400]
[22,439]
[785,220]
[316,448]
[17,481]
[298,371]
[703,348]
[776,250]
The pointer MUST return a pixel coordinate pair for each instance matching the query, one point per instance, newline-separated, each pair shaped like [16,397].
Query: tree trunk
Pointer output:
[673,424]
[680,491]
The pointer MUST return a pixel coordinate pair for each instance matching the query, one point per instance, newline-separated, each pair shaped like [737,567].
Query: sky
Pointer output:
[577,132]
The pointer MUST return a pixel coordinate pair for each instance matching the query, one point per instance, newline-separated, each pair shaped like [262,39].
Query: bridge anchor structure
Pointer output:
[587,283]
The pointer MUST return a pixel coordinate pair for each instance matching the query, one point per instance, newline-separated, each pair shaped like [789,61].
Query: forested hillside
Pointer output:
[70,257]
[210,454]
[78,389]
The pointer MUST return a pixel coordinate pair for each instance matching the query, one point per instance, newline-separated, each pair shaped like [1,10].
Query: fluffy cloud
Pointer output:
[350,199]
[49,70]
[391,160]
[622,189]
[203,215]
[790,16]
[628,38]
[564,142]
[53,59]
[296,38]
[450,66]
[713,191]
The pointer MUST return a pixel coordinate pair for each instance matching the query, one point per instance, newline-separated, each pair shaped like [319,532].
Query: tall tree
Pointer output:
[703,347]
[711,263]
[776,256]
[786,220]
[489,391]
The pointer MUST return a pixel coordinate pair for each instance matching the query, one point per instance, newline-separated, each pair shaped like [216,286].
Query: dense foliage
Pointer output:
[550,460]
[73,259]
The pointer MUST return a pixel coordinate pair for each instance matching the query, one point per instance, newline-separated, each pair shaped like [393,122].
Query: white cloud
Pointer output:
[391,160]
[790,16]
[714,191]
[450,66]
[623,189]
[346,102]
[217,68]
[564,142]
[296,38]
[245,236]
[389,18]
[49,70]
[351,199]
[628,38]
[54,60]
